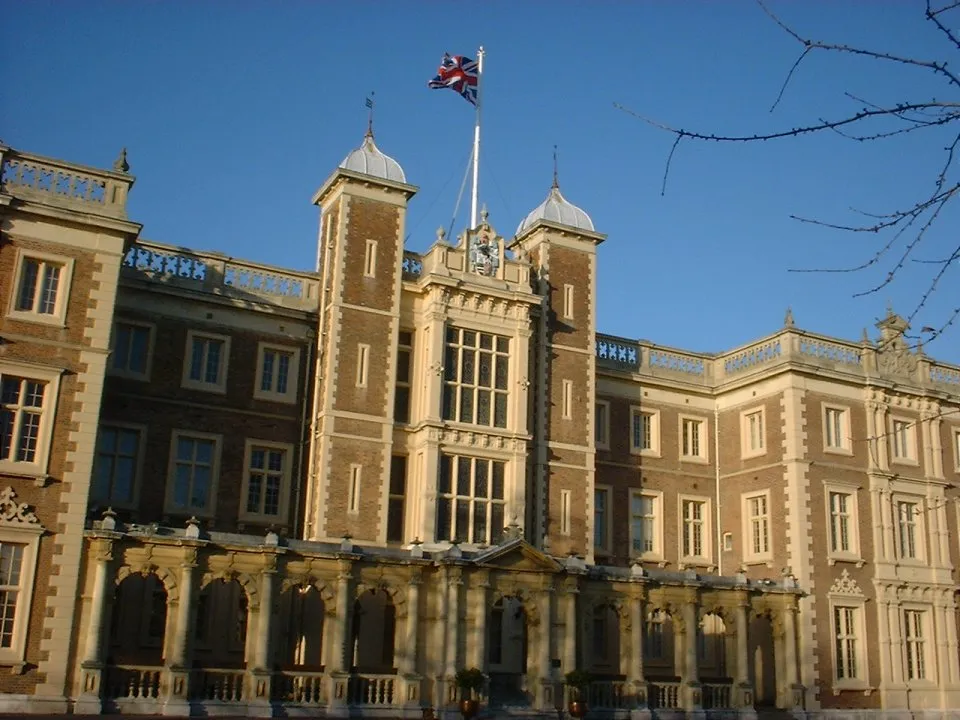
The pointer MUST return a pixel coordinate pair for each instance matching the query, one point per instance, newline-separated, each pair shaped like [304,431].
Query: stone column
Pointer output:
[454,581]
[691,620]
[98,632]
[638,611]
[179,661]
[480,609]
[543,664]
[744,687]
[570,621]
[339,669]
[262,670]
[791,668]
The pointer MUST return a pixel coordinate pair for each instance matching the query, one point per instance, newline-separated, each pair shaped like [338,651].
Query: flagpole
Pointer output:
[476,141]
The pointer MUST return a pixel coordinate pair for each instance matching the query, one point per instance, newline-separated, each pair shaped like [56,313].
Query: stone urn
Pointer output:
[578,708]
[469,708]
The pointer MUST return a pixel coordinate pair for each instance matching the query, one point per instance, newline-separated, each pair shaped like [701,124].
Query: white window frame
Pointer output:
[370,259]
[38,469]
[363,364]
[217,440]
[566,400]
[846,445]
[568,301]
[293,377]
[929,645]
[853,529]
[565,503]
[747,447]
[910,436]
[27,534]
[654,416]
[138,467]
[919,536]
[858,604]
[280,518]
[64,284]
[151,339]
[703,456]
[706,559]
[655,555]
[607,546]
[602,409]
[220,386]
[749,554]
[356,486]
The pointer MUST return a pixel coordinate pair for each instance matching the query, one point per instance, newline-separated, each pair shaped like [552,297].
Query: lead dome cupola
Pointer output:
[557,209]
[369,160]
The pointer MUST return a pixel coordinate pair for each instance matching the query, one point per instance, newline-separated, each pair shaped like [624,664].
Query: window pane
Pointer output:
[28,284]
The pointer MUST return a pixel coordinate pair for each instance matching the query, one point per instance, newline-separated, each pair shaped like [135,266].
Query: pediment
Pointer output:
[518,555]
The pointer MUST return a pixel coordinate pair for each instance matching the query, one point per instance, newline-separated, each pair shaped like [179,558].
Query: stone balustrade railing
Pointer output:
[61,184]
[902,364]
[218,274]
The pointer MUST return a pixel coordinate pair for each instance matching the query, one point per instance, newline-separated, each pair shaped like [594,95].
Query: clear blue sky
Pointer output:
[235,112]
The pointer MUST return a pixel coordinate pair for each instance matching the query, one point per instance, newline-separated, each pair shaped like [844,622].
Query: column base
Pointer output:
[693,702]
[88,705]
[641,713]
[547,691]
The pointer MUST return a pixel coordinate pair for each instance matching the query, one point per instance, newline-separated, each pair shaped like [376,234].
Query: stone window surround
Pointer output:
[746,451]
[655,555]
[293,377]
[912,456]
[138,467]
[27,534]
[920,535]
[607,547]
[929,646]
[370,259]
[855,554]
[955,443]
[65,282]
[565,512]
[151,342]
[40,467]
[221,385]
[750,557]
[211,509]
[846,447]
[654,415]
[703,457]
[602,407]
[280,518]
[705,560]
[858,602]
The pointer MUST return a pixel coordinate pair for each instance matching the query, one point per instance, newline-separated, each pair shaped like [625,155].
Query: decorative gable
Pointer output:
[845,585]
[518,555]
[12,511]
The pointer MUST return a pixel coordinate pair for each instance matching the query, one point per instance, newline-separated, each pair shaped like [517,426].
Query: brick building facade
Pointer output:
[233,488]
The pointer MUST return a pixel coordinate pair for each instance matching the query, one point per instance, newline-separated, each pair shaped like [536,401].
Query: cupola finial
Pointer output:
[370,113]
[556,181]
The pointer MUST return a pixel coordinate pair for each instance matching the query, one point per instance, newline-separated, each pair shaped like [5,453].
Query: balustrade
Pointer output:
[617,352]
[664,695]
[945,375]
[412,265]
[222,685]
[753,356]
[132,682]
[717,696]
[372,690]
[606,695]
[305,688]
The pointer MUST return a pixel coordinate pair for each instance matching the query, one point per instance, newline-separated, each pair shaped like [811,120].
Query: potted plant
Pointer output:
[470,681]
[579,683]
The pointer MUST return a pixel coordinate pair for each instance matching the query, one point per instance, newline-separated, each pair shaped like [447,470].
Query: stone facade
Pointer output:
[229,488]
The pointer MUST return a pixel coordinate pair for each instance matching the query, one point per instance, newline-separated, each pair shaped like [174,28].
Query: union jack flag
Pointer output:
[458,73]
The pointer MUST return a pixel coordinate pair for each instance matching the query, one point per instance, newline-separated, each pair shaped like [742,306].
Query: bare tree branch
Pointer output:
[932,15]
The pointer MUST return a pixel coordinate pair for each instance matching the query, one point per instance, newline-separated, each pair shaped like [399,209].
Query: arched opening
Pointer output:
[220,627]
[605,642]
[507,650]
[763,665]
[712,648]
[302,644]
[659,646]
[373,635]
[138,621]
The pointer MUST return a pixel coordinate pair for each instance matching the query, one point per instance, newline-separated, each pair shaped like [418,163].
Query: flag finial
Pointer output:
[369,104]
[556,182]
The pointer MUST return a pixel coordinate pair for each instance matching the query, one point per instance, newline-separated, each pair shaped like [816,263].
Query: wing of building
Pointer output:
[231,488]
